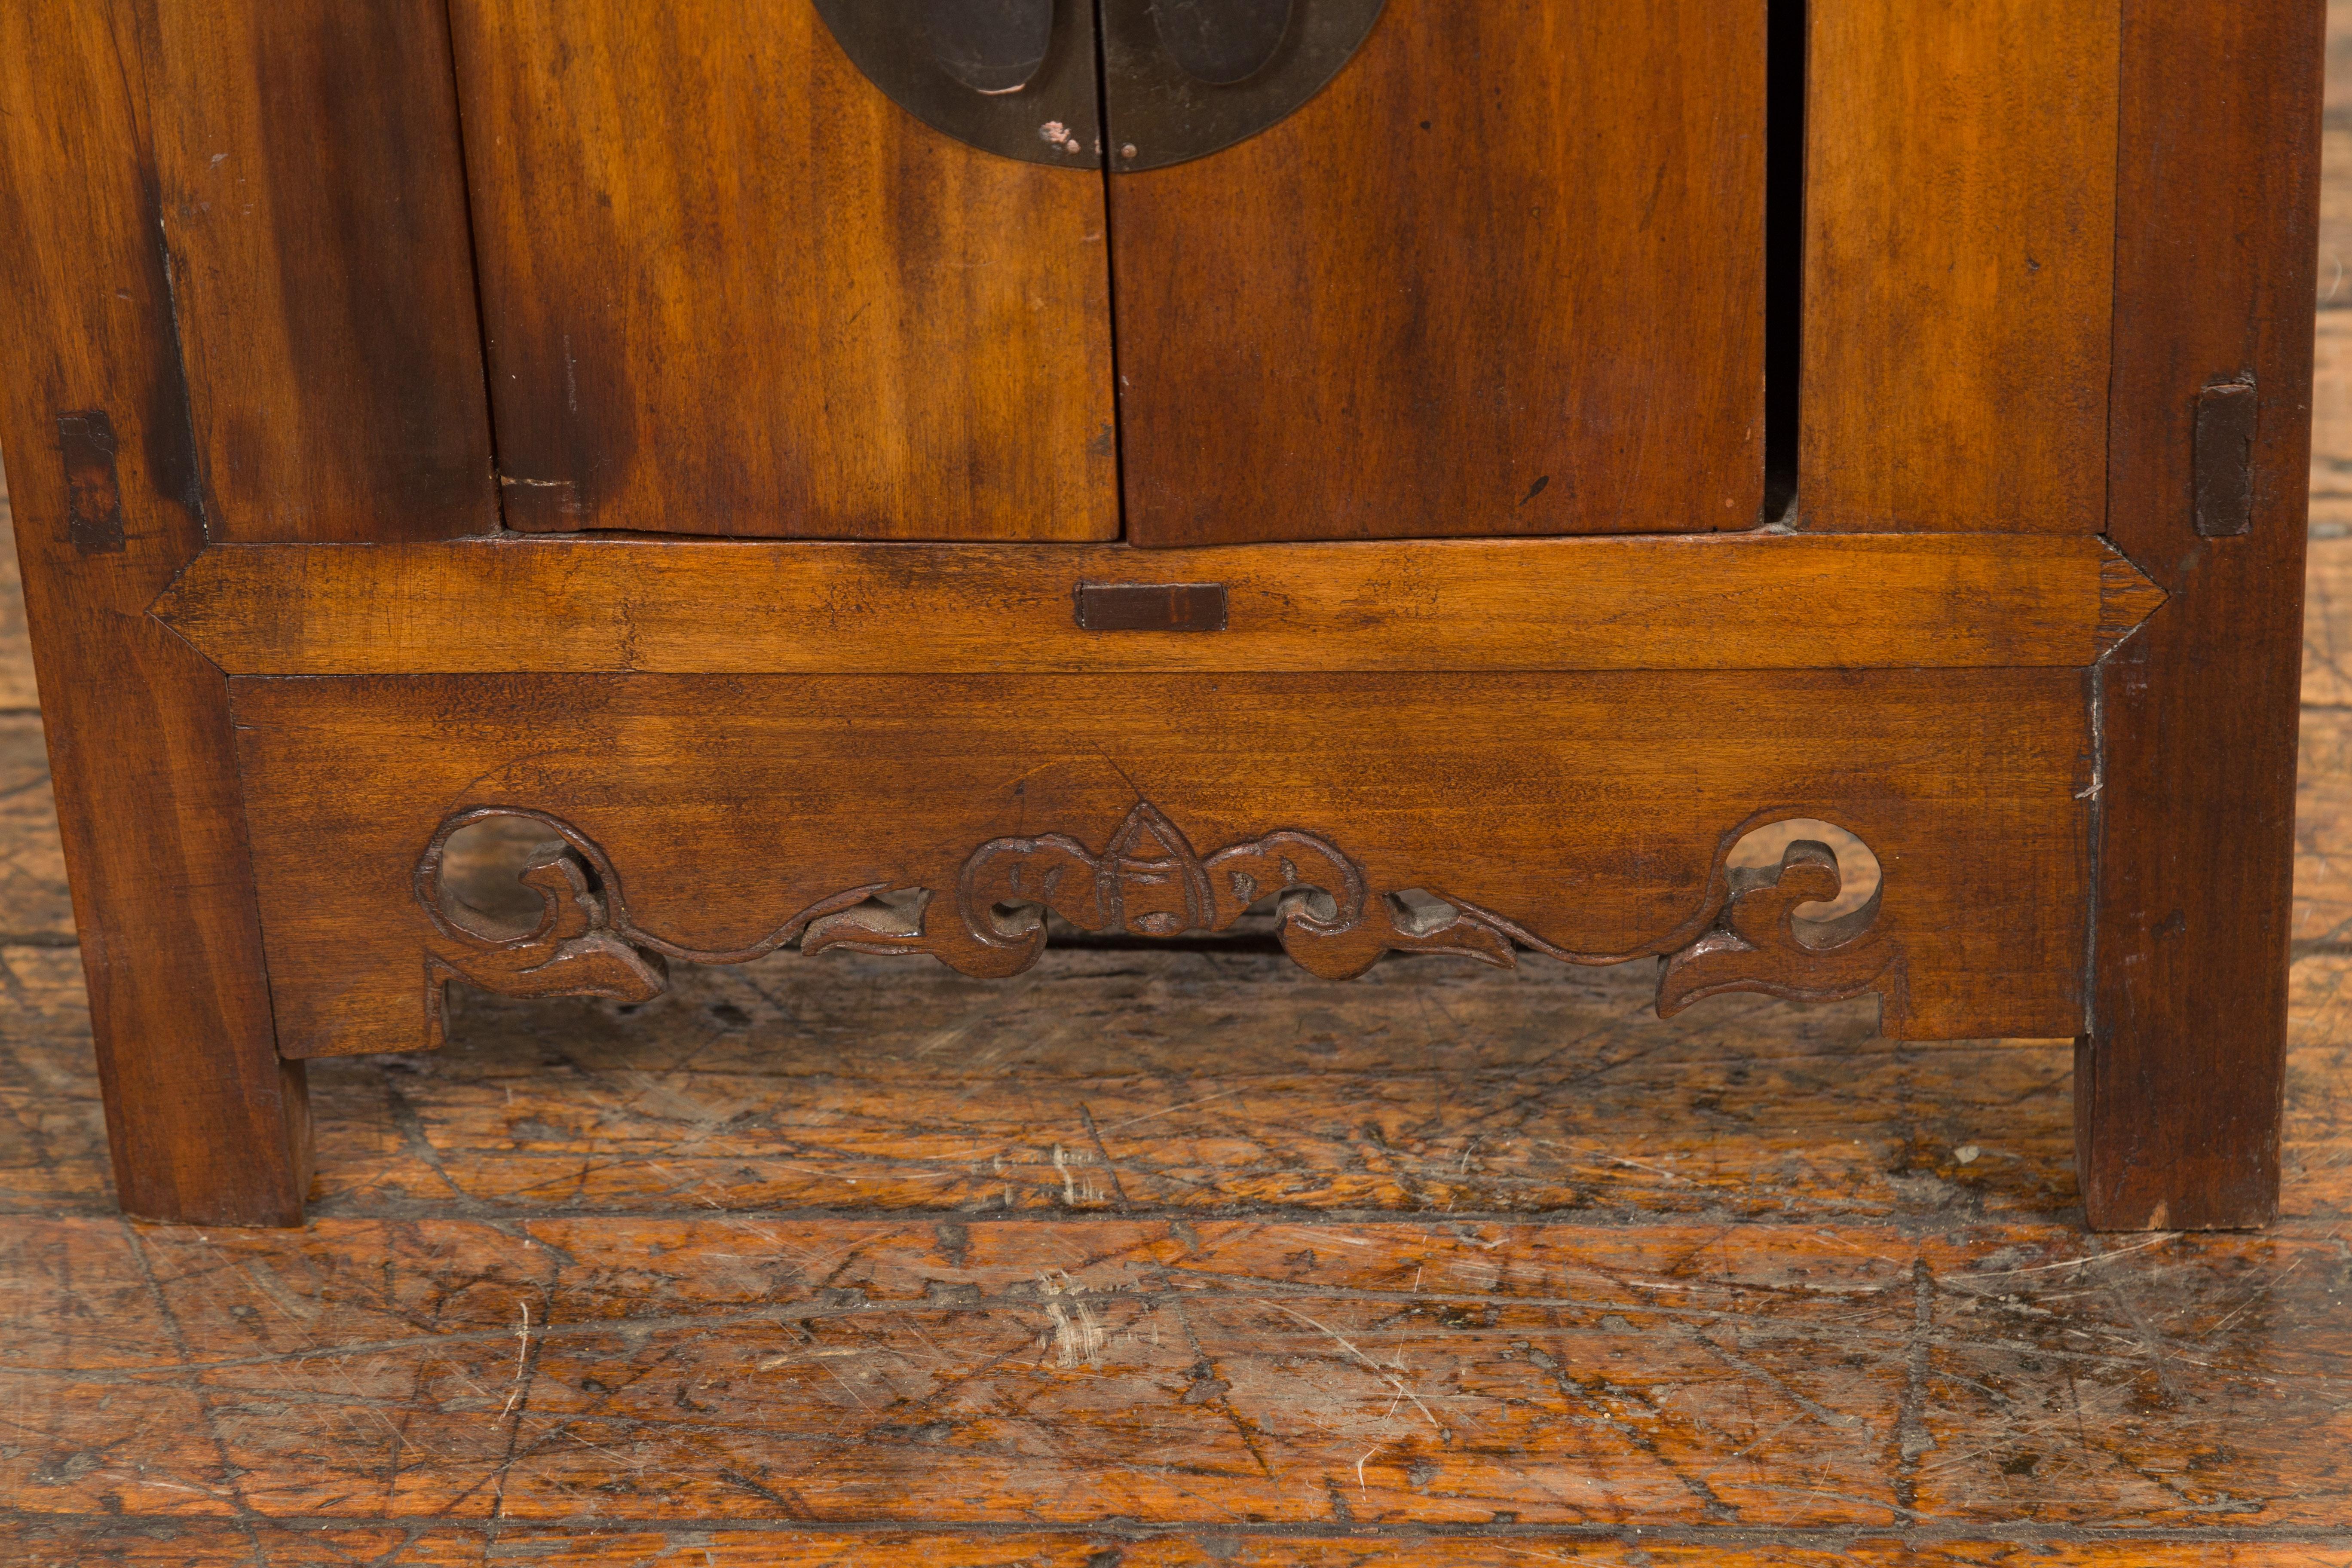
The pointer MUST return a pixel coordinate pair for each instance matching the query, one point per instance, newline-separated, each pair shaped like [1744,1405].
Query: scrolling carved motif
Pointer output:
[1149,881]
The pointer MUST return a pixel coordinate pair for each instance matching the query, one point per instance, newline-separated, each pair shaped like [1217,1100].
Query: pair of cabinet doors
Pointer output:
[1419,268]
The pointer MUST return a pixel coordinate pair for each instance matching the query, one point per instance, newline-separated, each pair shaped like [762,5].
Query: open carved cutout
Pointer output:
[482,866]
[1149,881]
[569,949]
[1801,921]
[522,903]
[1823,923]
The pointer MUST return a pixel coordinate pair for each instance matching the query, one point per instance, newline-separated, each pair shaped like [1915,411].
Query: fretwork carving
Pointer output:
[1148,880]
[1758,943]
[572,952]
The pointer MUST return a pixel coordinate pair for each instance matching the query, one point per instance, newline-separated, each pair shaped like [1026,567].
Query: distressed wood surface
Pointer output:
[16,693]
[1752,601]
[1133,1260]
[331,1546]
[1752,1274]
[683,1183]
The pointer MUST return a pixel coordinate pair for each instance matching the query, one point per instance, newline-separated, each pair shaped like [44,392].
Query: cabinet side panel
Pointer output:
[1503,276]
[1959,261]
[205,1123]
[312,194]
[730,288]
[2178,1093]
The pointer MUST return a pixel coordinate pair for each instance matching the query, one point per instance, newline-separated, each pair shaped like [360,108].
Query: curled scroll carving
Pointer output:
[1148,880]
[1760,943]
[571,951]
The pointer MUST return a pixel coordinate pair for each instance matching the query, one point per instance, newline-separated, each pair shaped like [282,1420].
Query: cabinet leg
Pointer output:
[207,1124]
[2180,1085]
[2171,1137]
[2178,1091]
[206,1143]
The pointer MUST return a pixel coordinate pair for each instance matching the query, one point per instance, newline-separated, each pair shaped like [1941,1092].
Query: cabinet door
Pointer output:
[728,287]
[1504,275]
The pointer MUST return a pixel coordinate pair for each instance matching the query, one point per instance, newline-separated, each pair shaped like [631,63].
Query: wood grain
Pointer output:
[34,906]
[2331,392]
[1959,263]
[133,1542]
[205,1122]
[306,159]
[1753,601]
[1504,275]
[16,691]
[1616,1193]
[1213,1377]
[715,306]
[2328,620]
[2180,1078]
[1591,811]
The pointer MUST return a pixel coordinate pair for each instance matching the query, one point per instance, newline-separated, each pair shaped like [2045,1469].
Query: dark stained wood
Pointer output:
[93,489]
[1762,943]
[1589,815]
[1748,601]
[1959,265]
[718,303]
[306,166]
[2225,459]
[204,1121]
[1503,276]
[2178,1082]
[1151,607]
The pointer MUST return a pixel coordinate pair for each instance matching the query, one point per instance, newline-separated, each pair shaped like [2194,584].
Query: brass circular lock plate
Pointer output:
[1018,78]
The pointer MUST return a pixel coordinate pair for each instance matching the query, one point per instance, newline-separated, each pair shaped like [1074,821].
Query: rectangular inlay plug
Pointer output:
[1151,607]
[2225,459]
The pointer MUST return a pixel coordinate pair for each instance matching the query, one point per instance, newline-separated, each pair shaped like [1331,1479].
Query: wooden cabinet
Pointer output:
[1434,479]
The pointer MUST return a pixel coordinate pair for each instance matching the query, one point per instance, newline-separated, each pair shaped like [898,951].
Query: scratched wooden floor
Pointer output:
[1160,1257]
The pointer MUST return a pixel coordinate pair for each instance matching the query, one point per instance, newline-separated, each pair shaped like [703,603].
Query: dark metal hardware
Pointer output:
[1221,42]
[1151,607]
[1185,78]
[1010,76]
[992,46]
[2225,459]
[1166,65]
